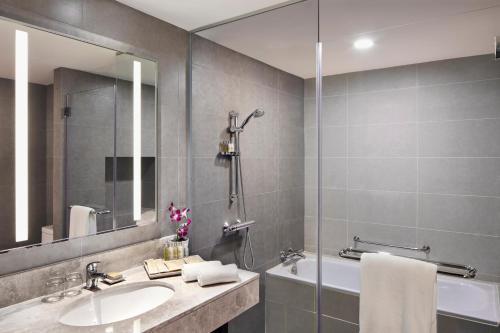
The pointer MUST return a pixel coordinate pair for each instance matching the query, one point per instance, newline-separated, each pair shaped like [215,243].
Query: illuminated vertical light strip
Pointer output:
[21,136]
[137,142]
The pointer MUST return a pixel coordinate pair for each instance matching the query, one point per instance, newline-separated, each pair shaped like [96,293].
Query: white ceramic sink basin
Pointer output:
[117,303]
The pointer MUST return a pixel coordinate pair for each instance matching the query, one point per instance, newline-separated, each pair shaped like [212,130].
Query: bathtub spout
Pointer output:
[291,256]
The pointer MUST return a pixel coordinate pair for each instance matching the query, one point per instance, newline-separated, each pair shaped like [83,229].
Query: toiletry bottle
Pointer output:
[166,256]
[180,251]
[171,252]
[186,249]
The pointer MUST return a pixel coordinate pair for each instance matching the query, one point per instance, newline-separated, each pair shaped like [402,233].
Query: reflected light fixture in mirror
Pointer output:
[21,135]
[363,43]
[137,140]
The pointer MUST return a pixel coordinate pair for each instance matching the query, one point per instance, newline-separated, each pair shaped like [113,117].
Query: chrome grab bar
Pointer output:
[424,248]
[96,210]
[464,271]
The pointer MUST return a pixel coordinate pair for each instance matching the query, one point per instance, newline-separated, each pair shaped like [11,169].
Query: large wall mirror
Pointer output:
[77,138]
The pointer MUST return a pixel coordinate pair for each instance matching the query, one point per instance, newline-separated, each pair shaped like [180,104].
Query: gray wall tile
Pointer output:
[471,100]
[458,70]
[383,140]
[468,138]
[468,176]
[334,141]
[470,214]
[382,79]
[391,106]
[340,305]
[299,321]
[335,235]
[334,172]
[291,84]
[275,317]
[392,174]
[334,203]
[333,85]
[294,294]
[394,208]
[334,112]
[291,173]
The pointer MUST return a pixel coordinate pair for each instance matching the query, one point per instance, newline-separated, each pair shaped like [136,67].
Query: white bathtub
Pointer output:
[457,297]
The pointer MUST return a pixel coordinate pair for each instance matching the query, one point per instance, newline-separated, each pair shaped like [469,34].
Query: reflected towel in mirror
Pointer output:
[82,221]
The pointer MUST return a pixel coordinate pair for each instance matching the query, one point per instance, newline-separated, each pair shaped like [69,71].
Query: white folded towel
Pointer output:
[218,274]
[190,271]
[398,295]
[82,221]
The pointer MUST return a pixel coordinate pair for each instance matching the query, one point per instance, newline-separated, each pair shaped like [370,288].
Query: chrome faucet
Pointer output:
[92,275]
[291,256]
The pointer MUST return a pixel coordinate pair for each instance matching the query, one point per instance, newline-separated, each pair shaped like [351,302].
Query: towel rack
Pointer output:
[425,248]
[464,271]
[97,210]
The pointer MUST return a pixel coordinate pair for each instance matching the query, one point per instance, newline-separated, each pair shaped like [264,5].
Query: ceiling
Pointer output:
[404,31]
[49,51]
[191,14]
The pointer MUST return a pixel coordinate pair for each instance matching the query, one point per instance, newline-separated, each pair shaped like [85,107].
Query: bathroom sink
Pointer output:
[116,303]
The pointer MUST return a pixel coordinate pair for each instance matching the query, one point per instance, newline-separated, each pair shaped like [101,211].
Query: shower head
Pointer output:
[257,113]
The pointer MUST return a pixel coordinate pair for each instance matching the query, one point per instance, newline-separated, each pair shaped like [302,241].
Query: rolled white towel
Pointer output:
[218,274]
[190,271]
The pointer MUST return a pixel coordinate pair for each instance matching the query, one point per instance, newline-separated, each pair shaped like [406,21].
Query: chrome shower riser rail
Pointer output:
[425,248]
[464,271]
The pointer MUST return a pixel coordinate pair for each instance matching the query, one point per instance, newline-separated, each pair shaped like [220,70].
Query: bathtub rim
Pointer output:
[279,271]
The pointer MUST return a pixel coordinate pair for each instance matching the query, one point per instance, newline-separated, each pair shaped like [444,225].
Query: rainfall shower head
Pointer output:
[257,113]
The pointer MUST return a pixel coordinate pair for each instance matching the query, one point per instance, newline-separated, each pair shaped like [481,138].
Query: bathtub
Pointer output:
[457,297]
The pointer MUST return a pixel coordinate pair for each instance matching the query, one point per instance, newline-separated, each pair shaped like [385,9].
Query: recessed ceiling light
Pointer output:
[363,43]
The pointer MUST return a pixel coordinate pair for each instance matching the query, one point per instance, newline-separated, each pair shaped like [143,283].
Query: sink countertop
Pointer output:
[34,315]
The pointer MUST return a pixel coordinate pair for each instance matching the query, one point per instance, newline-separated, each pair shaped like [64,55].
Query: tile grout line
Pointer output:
[388,123]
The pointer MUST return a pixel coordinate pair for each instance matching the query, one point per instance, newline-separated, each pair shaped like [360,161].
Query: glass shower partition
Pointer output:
[264,60]
[410,155]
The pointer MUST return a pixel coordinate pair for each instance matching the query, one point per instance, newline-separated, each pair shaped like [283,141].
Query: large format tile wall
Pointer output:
[89,139]
[412,157]
[95,21]
[272,161]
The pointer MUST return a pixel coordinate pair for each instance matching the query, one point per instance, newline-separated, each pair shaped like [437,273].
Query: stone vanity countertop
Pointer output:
[36,316]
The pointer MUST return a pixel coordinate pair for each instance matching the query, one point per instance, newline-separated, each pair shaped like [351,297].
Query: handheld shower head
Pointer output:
[256,113]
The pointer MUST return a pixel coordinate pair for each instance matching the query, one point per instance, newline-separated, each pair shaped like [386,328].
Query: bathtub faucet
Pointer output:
[291,256]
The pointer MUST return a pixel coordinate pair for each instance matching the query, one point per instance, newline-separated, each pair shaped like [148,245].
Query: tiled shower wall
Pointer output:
[412,157]
[272,161]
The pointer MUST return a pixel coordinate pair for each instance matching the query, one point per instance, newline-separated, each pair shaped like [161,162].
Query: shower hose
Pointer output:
[248,239]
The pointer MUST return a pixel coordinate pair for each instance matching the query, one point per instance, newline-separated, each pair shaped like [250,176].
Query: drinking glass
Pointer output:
[54,289]
[74,284]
